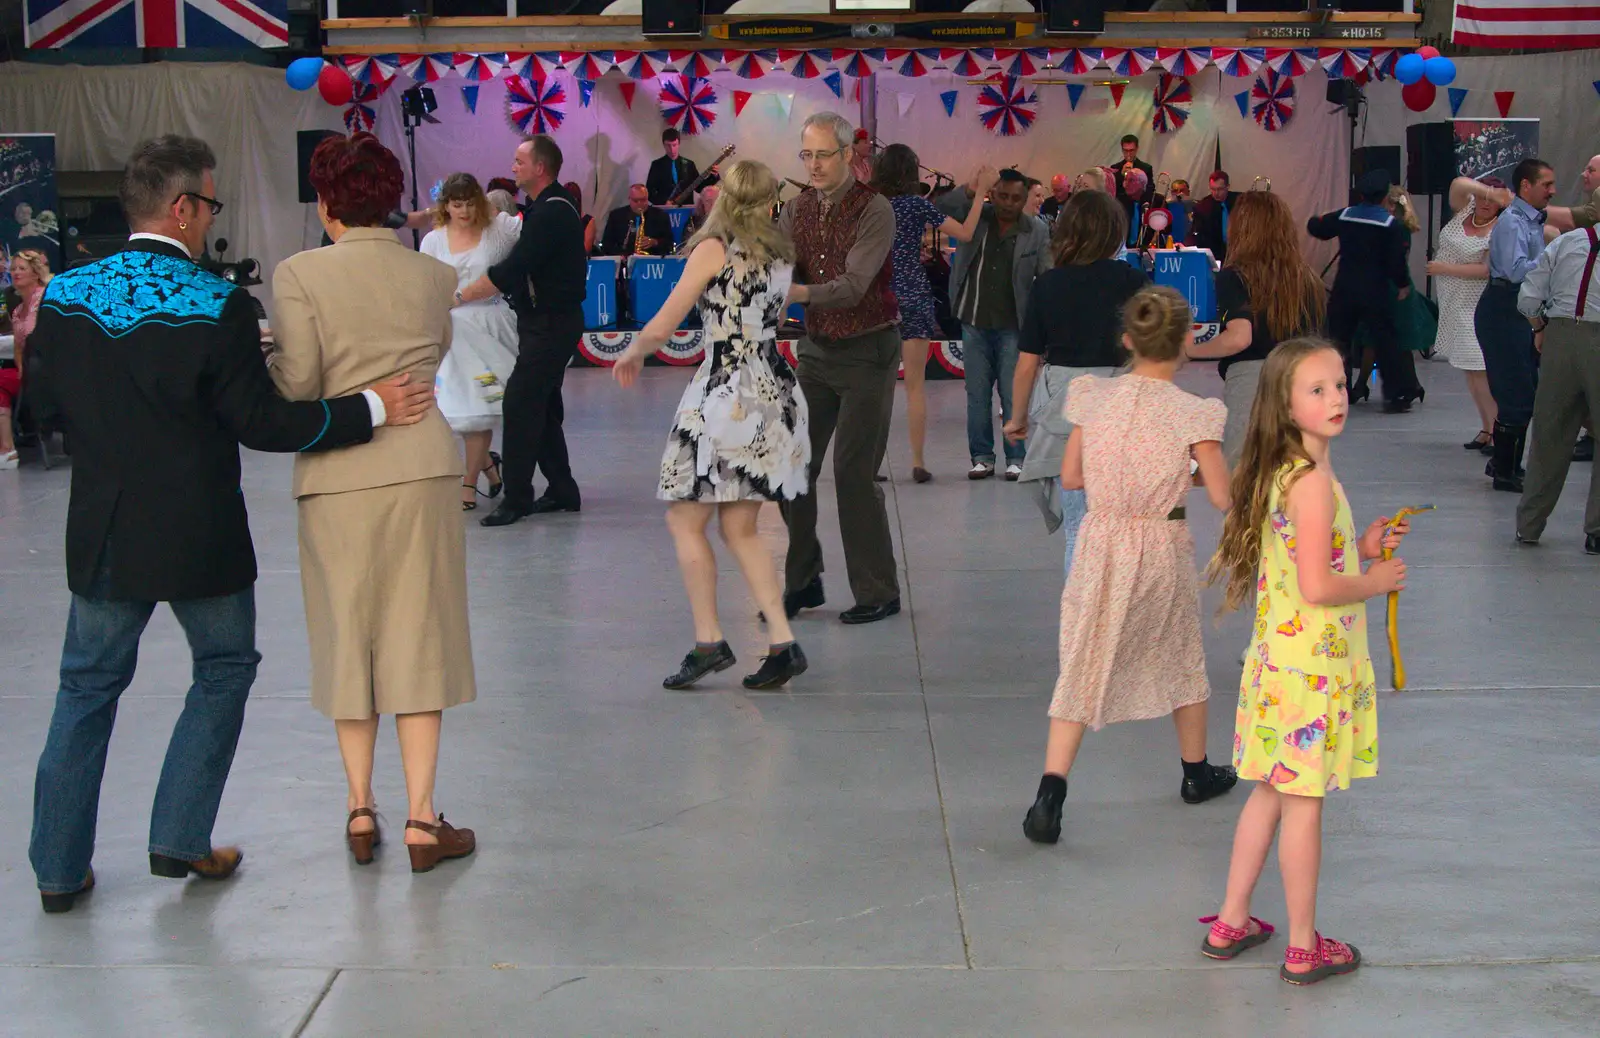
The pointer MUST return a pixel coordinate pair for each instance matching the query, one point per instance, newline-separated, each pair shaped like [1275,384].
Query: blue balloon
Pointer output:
[302,73]
[1440,71]
[1409,69]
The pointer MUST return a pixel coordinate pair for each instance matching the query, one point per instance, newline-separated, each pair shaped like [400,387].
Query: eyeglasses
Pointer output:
[807,156]
[216,206]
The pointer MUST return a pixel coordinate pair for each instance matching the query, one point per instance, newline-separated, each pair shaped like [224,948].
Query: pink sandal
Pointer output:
[1323,959]
[1243,940]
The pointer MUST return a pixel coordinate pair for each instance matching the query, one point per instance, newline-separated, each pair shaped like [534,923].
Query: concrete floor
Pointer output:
[844,859]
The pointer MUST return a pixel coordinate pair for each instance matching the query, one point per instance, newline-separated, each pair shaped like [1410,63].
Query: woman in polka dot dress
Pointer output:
[895,175]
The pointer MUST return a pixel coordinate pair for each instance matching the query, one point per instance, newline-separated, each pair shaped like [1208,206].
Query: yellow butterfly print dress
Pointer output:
[1308,714]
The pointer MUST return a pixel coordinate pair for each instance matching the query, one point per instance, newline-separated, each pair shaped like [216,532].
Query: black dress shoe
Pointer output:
[1217,781]
[55,904]
[808,597]
[698,664]
[865,614]
[1399,405]
[1042,824]
[1591,544]
[778,668]
[1583,450]
[556,504]
[504,514]
[1527,542]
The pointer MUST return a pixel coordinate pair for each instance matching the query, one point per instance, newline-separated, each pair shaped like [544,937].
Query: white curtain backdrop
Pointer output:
[250,117]
[246,113]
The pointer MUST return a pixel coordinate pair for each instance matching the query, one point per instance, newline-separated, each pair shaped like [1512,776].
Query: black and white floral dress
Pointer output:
[741,431]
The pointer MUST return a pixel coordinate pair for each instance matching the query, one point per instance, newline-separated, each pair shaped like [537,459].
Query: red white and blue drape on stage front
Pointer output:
[227,24]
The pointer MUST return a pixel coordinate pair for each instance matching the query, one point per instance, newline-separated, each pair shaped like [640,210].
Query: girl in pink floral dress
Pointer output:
[1130,613]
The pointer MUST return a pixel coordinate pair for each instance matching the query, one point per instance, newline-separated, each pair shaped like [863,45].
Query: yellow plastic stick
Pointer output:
[1398,671]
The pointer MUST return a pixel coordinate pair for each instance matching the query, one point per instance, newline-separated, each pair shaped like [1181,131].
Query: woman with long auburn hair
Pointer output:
[1266,294]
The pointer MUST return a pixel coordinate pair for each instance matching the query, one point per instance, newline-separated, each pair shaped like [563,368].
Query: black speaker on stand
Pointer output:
[1430,167]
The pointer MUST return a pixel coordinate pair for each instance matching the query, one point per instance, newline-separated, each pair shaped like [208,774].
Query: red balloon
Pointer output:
[1419,96]
[336,88]
[1428,52]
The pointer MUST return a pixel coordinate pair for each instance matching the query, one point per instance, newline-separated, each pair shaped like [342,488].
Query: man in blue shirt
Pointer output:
[1509,357]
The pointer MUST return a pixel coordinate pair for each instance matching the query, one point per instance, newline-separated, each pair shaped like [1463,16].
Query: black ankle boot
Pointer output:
[697,664]
[1213,781]
[777,668]
[1043,821]
[1502,468]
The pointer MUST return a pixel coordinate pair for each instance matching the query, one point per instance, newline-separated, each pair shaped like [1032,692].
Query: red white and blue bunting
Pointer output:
[539,106]
[1007,108]
[686,102]
[360,116]
[1272,101]
[1172,99]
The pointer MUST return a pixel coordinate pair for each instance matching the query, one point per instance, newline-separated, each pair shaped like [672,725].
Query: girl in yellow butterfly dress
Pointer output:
[1308,719]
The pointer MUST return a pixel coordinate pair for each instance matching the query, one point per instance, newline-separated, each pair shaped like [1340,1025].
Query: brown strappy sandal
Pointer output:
[453,843]
[361,844]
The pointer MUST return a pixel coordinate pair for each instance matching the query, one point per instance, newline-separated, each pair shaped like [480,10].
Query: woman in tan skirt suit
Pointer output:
[382,553]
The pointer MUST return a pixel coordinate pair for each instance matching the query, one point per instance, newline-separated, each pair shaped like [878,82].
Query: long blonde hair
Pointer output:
[1264,249]
[743,214]
[1271,445]
[36,262]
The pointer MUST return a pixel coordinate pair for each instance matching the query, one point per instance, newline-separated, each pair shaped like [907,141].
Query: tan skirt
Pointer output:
[385,578]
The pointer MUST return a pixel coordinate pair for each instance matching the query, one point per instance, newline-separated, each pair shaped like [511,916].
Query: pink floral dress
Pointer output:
[1130,613]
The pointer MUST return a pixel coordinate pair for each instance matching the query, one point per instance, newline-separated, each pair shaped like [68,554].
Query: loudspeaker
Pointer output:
[1074,16]
[672,17]
[1343,91]
[306,142]
[1384,157]
[1430,158]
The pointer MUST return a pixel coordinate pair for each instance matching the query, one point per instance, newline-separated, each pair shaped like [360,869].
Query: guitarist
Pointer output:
[671,172]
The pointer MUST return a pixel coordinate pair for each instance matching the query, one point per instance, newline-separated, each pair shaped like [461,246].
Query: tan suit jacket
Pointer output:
[352,314]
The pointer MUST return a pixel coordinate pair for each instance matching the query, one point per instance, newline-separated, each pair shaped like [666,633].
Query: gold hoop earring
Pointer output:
[183,226]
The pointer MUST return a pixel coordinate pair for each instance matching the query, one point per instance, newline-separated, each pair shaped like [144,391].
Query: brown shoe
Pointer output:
[221,863]
[453,843]
[57,903]
[361,844]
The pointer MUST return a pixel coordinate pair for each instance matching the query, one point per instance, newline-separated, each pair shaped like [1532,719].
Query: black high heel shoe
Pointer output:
[496,484]
[1361,390]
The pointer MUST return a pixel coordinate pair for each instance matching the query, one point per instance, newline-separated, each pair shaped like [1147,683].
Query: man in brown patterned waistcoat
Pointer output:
[842,232]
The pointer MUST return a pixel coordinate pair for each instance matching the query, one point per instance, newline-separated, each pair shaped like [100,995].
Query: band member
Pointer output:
[637,228]
[861,157]
[1208,228]
[1130,162]
[671,173]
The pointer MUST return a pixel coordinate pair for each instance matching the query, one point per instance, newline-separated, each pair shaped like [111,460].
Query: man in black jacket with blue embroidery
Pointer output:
[154,369]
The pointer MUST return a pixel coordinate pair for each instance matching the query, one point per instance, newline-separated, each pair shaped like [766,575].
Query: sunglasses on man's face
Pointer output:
[216,206]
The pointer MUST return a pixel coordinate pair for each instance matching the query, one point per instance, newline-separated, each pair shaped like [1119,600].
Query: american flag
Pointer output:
[230,24]
[1528,24]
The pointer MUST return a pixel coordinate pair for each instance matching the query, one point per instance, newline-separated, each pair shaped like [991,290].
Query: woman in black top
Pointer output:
[1072,327]
[1267,293]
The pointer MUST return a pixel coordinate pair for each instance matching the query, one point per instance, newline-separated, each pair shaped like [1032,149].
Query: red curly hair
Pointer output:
[357,179]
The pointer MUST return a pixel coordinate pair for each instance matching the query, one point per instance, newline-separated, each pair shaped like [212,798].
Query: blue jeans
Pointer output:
[1074,506]
[97,663]
[990,356]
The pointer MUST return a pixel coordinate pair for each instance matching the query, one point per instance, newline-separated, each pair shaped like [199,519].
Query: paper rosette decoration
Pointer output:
[686,103]
[1007,107]
[537,107]
[1172,99]
[360,116]
[1272,100]
[424,68]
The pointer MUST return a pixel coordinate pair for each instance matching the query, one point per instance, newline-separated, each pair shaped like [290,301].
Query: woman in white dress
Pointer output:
[1460,268]
[471,236]
[740,436]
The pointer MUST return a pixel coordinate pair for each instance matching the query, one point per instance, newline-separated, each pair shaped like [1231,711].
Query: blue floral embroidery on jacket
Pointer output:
[122,292]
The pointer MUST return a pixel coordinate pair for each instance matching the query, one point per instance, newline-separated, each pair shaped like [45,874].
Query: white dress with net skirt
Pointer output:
[471,382]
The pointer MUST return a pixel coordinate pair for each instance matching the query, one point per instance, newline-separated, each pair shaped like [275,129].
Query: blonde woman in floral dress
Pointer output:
[741,434]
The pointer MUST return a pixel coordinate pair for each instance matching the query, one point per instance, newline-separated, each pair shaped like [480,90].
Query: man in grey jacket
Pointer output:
[990,278]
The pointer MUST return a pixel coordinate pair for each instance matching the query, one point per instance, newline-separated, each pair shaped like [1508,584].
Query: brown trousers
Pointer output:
[849,389]
[1569,392]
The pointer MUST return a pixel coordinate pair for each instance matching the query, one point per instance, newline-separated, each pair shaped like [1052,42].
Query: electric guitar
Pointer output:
[688,190]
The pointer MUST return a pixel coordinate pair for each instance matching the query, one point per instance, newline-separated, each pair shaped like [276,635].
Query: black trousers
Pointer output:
[1349,309]
[1509,358]
[533,412]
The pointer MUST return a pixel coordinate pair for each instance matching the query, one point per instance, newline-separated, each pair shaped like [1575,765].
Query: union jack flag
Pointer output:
[229,24]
